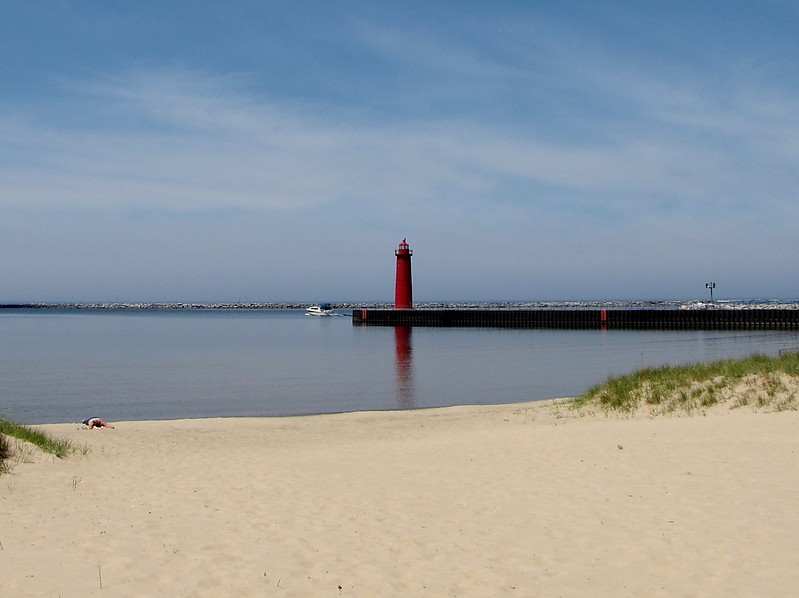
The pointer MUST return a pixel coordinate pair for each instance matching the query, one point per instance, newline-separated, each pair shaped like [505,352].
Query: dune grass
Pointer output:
[55,446]
[758,381]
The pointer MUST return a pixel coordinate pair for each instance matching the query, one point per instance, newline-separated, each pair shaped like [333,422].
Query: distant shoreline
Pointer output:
[621,304]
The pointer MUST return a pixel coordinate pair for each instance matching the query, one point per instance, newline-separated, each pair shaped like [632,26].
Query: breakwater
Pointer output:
[585,319]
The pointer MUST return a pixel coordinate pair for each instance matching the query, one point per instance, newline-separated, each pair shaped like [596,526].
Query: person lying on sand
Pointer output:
[96,422]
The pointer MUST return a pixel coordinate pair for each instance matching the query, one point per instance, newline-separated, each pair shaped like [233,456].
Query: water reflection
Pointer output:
[403,352]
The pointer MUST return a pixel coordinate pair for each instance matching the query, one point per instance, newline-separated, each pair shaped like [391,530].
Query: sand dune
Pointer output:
[516,500]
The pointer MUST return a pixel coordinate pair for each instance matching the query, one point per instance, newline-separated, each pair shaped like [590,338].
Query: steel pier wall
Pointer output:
[587,319]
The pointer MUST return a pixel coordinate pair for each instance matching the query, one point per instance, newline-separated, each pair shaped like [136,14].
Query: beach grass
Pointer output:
[54,446]
[758,381]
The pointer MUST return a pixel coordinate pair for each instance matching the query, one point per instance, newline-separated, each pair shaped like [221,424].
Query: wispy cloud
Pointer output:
[192,141]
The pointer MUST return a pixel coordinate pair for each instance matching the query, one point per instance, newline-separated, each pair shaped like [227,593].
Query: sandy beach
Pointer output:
[514,500]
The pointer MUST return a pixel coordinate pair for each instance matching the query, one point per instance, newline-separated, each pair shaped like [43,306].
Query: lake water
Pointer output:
[66,365]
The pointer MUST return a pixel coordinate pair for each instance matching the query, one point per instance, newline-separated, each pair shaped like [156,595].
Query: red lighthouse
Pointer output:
[403,290]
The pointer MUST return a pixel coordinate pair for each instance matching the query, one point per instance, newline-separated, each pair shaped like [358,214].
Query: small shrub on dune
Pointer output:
[5,452]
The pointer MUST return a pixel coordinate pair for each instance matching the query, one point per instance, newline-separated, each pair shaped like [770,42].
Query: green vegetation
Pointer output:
[758,381]
[56,446]
[5,452]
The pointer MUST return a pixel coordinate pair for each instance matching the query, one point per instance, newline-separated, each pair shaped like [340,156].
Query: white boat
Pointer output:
[324,309]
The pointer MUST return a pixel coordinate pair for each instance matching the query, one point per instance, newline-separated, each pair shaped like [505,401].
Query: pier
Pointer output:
[585,319]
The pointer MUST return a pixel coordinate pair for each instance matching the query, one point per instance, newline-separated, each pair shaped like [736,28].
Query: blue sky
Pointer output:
[279,151]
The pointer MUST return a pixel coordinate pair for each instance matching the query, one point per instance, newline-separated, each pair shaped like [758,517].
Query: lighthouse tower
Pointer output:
[403,290]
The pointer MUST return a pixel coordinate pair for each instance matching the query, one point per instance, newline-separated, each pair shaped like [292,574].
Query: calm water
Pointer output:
[64,366]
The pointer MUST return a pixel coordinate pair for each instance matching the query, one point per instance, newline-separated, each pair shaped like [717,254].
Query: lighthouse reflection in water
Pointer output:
[403,352]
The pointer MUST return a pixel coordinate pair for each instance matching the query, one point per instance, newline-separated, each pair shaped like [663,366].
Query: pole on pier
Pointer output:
[711,286]
[403,289]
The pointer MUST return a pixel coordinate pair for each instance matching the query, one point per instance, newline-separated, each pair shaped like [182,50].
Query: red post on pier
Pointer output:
[403,289]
